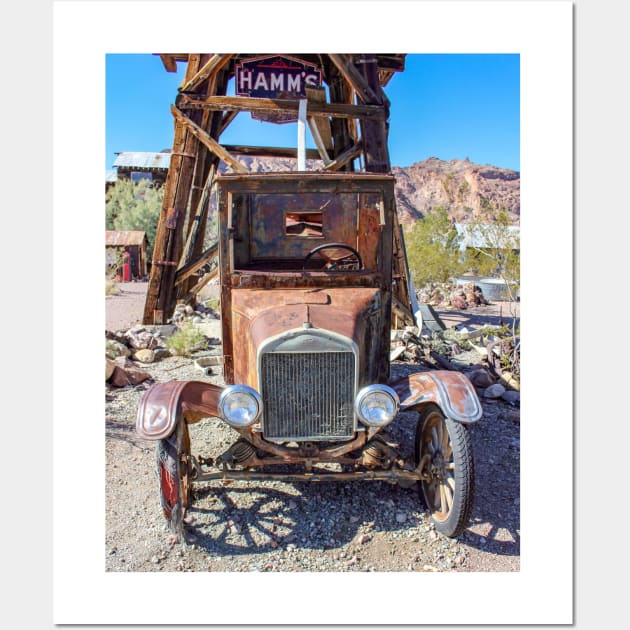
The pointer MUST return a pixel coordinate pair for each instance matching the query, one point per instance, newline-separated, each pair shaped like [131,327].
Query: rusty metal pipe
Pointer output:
[376,475]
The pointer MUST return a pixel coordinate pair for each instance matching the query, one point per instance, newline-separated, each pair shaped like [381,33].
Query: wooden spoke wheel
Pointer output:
[445,448]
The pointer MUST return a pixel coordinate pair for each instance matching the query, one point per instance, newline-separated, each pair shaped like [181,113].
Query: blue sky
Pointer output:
[449,106]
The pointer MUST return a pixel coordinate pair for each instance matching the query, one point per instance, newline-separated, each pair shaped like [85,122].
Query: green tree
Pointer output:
[432,248]
[134,206]
[494,249]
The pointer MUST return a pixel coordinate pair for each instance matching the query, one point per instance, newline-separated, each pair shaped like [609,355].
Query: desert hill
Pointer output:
[463,187]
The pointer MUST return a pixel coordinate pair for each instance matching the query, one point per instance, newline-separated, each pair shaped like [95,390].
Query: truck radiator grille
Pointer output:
[308,396]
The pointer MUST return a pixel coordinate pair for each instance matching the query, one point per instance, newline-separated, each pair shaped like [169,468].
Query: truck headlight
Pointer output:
[376,405]
[240,405]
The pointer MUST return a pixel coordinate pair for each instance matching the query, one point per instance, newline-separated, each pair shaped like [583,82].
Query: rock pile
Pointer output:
[453,296]
[144,345]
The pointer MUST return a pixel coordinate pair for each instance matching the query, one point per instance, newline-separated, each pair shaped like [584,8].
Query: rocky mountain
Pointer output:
[461,186]
[464,188]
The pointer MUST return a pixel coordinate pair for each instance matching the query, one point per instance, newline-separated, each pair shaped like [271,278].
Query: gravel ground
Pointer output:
[275,526]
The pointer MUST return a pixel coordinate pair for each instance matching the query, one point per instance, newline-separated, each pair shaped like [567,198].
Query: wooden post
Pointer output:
[342,139]
[167,246]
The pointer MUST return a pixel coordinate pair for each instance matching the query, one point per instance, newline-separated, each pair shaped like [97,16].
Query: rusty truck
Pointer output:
[305,261]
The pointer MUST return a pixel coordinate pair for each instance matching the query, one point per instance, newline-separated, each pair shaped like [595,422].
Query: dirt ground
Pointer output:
[277,526]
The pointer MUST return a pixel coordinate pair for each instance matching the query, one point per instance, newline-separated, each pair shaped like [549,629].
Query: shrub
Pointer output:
[111,288]
[186,340]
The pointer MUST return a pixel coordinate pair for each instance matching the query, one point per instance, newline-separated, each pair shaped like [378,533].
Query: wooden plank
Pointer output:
[211,68]
[200,213]
[192,267]
[319,143]
[192,293]
[369,94]
[317,96]
[287,152]
[280,105]
[169,62]
[209,142]
[340,128]
[348,155]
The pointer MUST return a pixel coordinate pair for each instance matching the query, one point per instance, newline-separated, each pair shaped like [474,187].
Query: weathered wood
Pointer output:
[319,143]
[317,96]
[347,156]
[165,245]
[196,226]
[278,105]
[194,266]
[402,313]
[209,69]
[340,128]
[445,363]
[366,91]
[209,142]
[169,62]
[192,292]
[284,152]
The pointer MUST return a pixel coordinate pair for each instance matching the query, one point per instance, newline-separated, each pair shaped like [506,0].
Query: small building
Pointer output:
[110,179]
[133,245]
[486,236]
[138,165]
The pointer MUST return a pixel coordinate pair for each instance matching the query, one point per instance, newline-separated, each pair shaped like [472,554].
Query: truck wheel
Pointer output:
[173,472]
[446,448]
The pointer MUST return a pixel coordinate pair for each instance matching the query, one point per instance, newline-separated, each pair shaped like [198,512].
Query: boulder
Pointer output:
[144,355]
[114,349]
[123,377]
[494,391]
[110,366]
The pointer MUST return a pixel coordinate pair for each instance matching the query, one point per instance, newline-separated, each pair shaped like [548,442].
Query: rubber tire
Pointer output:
[453,522]
[173,474]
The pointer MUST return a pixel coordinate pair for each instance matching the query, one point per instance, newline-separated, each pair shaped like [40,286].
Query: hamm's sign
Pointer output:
[275,76]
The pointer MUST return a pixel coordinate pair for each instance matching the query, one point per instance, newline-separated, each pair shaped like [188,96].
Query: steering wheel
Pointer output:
[331,263]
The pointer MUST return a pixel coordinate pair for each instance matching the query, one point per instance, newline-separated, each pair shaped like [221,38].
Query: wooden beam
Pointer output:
[286,152]
[318,96]
[200,214]
[393,62]
[352,153]
[214,64]
[340,92]
[209,142]
[195,265]
[289,106]
[192,294]
[350,73]
[166,249]
[319,143]
[169,62]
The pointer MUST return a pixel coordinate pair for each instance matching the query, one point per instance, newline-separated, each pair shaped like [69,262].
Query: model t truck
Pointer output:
[306,309]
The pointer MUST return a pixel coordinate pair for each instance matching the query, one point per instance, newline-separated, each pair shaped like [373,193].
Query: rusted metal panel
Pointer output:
[257,315]
[451,391]
[163,404]
[121,238]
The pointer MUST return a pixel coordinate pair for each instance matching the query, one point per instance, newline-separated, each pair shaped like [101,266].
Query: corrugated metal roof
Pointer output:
[140,159]
[114,238]
[472,237]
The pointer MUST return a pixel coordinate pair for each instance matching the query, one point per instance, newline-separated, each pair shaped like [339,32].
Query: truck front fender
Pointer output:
[163,404]
[451,391]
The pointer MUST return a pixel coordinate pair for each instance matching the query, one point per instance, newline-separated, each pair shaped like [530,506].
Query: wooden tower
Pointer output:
[349,123]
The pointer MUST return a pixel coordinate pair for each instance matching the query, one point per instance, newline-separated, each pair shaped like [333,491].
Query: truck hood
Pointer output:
[259,315]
